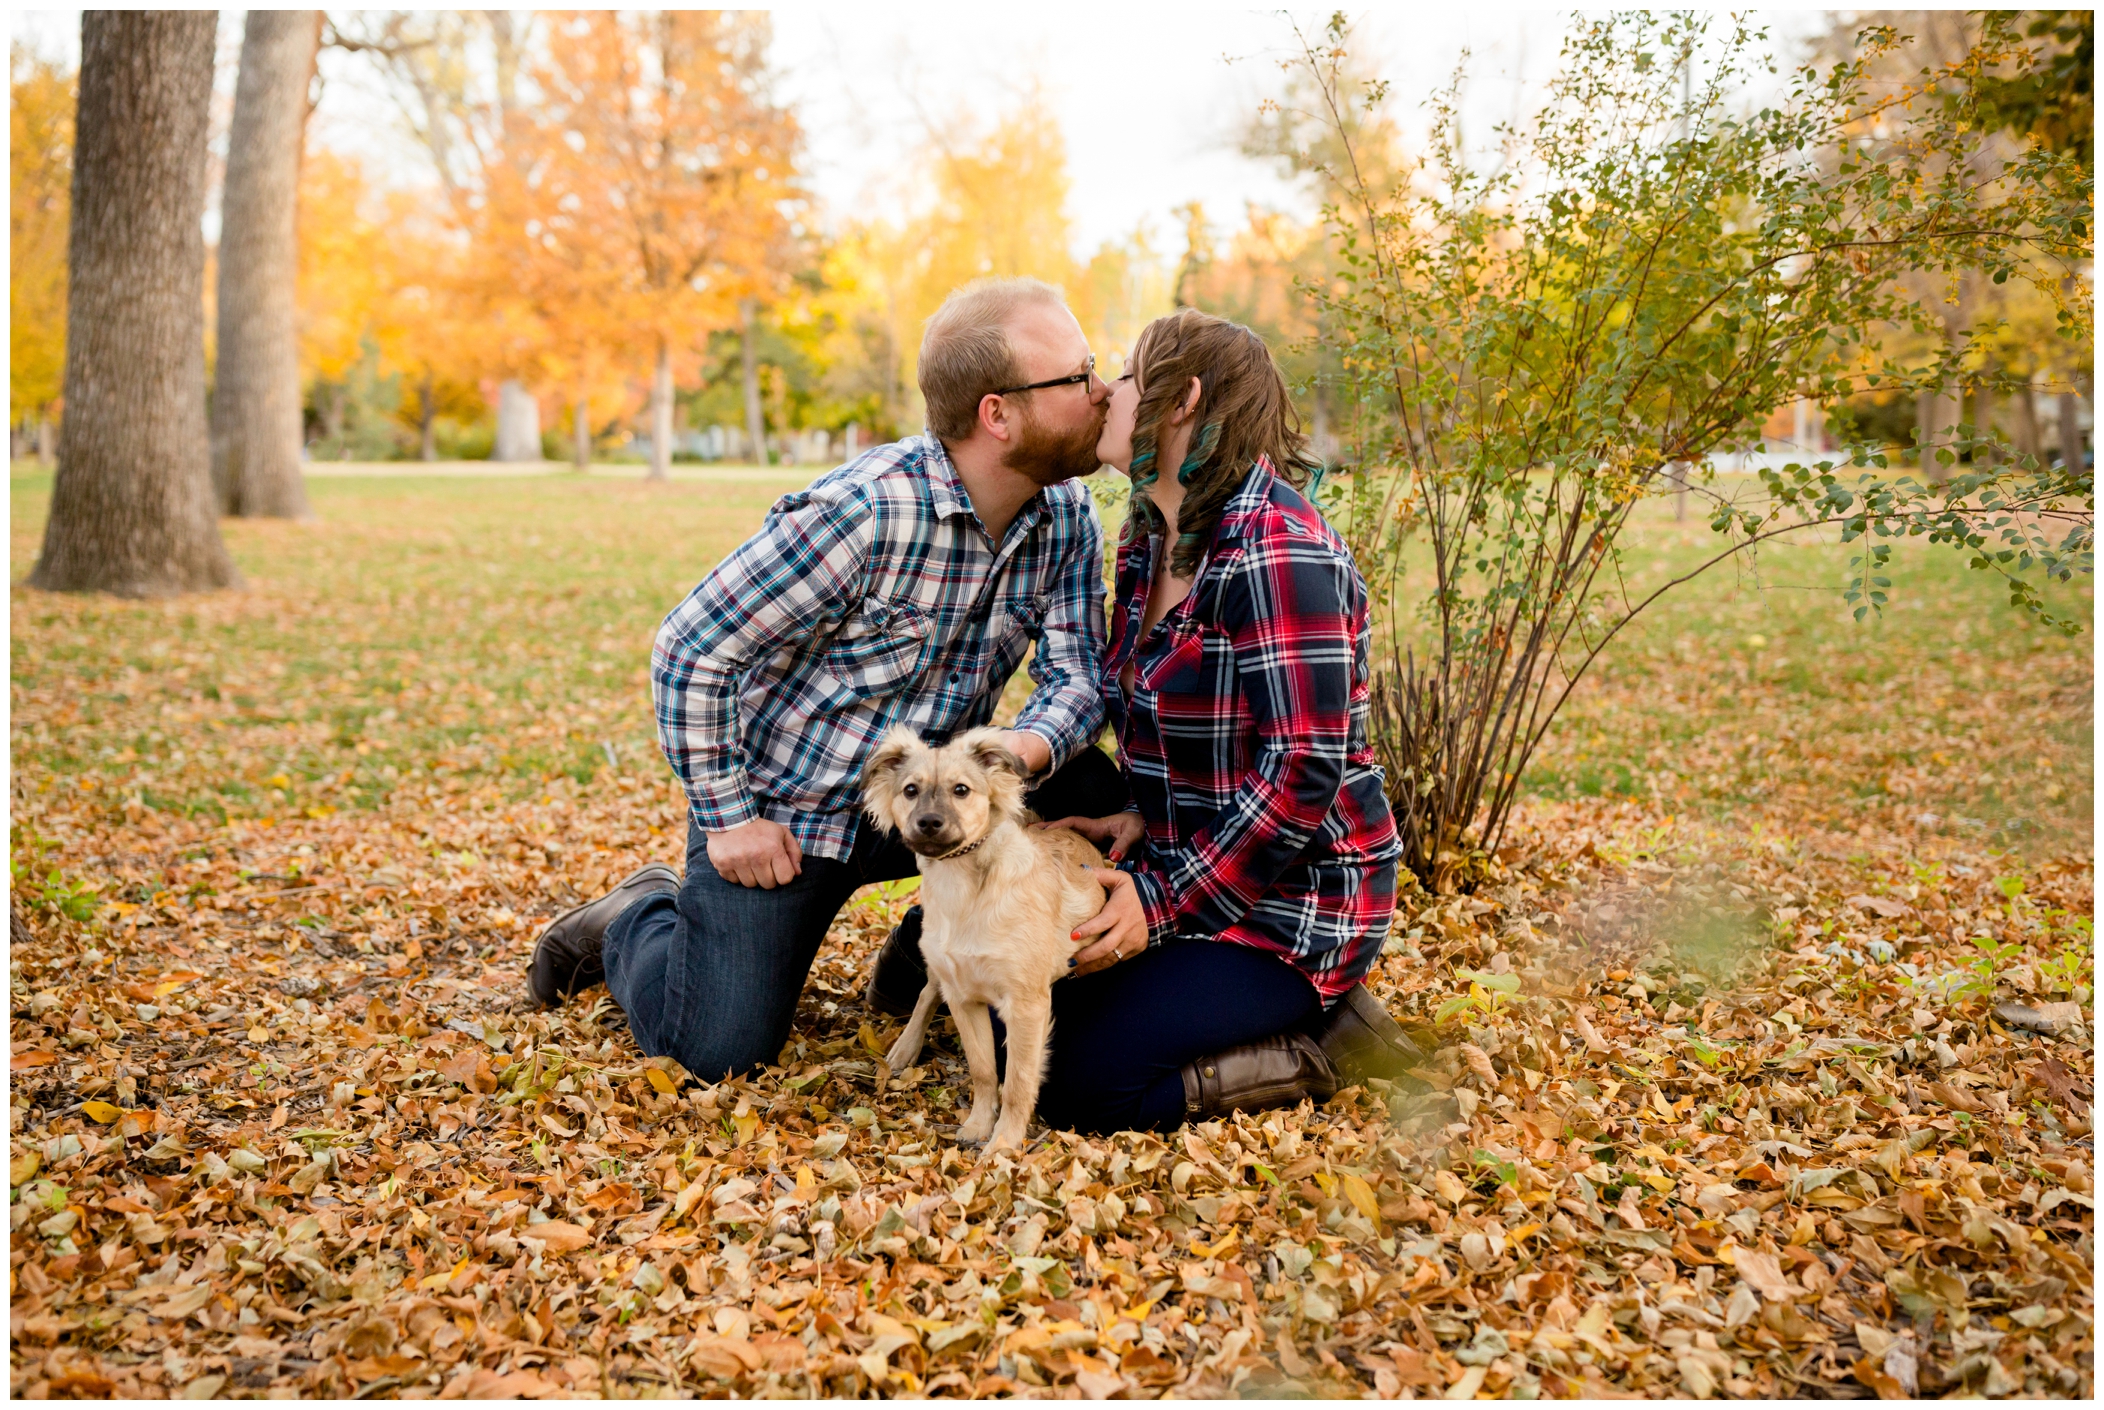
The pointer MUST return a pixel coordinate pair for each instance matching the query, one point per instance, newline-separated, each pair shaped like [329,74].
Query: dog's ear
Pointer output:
[989,750]
[1005,773]
[880,774]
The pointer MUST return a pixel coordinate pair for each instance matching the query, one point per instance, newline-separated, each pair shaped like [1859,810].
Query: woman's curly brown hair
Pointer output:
[1243,412]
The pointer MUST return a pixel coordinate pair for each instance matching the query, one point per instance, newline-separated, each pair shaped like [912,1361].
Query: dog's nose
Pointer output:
[929,823]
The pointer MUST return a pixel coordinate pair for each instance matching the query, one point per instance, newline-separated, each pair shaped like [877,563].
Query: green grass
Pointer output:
[469,631]
[1755,684]
[463,629]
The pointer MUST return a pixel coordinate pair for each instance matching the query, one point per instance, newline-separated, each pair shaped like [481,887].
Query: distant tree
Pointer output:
[131,506]
[655,204]
[256,420]
[40,170]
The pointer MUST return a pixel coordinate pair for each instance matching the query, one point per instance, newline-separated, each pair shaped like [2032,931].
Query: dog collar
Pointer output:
[962,851]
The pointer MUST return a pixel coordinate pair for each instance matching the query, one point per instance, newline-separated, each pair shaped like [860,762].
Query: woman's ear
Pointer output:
[1189,408]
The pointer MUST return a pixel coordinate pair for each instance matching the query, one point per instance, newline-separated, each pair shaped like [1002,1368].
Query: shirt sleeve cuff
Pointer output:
[1065,729]
[720,809]
[1156,903]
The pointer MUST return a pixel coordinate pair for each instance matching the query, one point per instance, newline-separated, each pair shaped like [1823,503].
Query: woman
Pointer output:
[1258,854]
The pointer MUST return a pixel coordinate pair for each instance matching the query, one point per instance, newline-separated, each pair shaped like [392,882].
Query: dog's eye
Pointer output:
[962,790]
[911,790]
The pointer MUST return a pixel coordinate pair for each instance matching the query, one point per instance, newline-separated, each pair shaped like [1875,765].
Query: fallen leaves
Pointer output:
[1728,1108]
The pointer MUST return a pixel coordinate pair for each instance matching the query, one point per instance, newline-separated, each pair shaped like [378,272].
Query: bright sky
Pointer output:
[1150,96]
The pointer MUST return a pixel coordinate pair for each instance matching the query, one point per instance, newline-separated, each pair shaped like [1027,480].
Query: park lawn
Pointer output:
[280,854]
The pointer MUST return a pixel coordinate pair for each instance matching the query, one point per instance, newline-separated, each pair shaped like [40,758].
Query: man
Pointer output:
[901,588]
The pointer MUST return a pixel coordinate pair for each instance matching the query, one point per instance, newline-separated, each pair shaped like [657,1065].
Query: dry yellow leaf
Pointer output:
[102,1111]
[559,1236]
[1361,1195]
[657,1078]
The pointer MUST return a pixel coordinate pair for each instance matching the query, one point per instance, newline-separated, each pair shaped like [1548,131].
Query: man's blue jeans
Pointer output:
[712,977]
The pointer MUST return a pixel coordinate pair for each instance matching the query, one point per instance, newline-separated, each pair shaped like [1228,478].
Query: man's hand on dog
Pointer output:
[757,853]
[1122,924]
[1116,834]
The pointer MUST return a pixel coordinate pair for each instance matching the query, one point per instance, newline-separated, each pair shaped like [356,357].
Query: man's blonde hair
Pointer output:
[965,353]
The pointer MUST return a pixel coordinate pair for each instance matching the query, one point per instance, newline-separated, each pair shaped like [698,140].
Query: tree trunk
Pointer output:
[426,420]
[755,420]
[1947,409]
[1983,421]
[131,505]
[334,411]
[518,423]
[47,444]
[581,431]
[661,414]
[2070,432]
[2025,408]
[256,392]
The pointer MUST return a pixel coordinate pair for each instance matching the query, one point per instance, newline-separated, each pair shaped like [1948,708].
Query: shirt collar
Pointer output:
[945,489]
[1246,503]
[950,496]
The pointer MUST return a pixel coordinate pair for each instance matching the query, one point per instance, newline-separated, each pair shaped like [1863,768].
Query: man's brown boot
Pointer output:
[1271,1072]
[1362,1040]
[566,957]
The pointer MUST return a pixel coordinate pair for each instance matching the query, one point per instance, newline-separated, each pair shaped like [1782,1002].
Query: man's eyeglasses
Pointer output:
[1086,379]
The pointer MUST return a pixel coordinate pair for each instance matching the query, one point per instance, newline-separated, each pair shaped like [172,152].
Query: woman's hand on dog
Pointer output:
[1116,834]
[1121,924]
[757,853]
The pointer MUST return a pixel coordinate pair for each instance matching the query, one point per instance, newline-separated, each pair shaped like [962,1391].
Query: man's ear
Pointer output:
[996,418]
[880,774]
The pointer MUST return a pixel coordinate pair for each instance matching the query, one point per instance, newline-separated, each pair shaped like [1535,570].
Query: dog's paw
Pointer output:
[1008,1136]
[975,1130]
[901,1057]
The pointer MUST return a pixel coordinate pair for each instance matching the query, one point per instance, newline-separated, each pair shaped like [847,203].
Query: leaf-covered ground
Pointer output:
[1793,1097]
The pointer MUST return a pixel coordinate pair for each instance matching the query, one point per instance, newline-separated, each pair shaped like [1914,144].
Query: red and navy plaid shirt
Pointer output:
[1245,744]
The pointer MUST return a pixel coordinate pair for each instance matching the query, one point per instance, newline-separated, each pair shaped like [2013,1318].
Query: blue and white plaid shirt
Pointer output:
[871,599]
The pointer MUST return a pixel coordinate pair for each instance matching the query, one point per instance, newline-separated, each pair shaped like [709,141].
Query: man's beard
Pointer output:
[1048,457]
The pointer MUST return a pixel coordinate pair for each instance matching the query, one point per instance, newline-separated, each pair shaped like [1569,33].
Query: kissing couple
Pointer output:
[1243,812]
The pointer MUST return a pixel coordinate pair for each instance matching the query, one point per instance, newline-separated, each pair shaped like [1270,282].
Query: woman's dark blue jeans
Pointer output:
[1121,1036]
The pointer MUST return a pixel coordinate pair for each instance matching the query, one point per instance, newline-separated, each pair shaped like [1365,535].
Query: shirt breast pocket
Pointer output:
[878,650]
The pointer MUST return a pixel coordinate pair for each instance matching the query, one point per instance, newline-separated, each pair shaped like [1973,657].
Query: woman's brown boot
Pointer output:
[1362,1040]
[1271,1072]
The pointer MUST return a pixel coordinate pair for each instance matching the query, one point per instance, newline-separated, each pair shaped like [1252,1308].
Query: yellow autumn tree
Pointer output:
[381,298]
[992,202]
[40,171]
[647,194]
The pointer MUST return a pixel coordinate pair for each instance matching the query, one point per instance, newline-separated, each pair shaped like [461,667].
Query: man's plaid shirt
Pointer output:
[874,598]
[1245,744]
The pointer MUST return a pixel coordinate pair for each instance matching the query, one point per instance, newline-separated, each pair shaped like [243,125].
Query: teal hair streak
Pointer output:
[1143,473]
[1189,544]
[1201,451]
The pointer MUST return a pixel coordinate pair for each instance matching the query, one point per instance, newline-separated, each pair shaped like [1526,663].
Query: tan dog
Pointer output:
[999,903]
